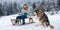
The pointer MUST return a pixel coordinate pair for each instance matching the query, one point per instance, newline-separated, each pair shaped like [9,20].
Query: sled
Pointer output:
[19,22]
[24,24]
[13,21]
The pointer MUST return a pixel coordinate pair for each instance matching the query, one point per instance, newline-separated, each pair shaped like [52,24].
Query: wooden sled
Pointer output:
[13,21]
[19,22]
[24,24]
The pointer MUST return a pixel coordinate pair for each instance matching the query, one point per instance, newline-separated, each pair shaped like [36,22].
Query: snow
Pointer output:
[5,23]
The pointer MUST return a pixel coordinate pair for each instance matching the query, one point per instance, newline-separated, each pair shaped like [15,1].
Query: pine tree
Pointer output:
[1,13]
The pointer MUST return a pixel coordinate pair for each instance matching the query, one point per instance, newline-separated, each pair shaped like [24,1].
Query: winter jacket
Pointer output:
[25,12]
[30,12]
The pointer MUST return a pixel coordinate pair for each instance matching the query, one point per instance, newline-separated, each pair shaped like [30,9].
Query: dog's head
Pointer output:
[36,10]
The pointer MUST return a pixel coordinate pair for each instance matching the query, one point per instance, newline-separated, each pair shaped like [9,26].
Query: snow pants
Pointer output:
[23,17]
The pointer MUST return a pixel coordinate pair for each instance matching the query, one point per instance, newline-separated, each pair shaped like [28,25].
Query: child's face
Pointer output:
[25,6]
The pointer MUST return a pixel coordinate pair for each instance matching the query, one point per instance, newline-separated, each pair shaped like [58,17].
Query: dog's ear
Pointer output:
[35,10]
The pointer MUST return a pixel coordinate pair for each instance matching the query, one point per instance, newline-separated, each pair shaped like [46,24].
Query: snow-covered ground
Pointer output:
[5,23]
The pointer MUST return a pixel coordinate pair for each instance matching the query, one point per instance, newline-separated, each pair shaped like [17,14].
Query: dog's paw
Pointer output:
[52,27]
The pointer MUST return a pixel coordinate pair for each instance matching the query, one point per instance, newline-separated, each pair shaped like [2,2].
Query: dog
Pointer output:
[43,18]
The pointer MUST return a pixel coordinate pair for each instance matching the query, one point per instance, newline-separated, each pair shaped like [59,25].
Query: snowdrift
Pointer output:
[5,23]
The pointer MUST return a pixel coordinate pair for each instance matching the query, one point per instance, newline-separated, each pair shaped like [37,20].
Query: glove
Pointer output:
[18,13]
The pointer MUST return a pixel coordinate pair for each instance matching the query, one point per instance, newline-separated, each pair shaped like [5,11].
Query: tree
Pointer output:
[1,13]
[58,3]
[15,8]
[34,5]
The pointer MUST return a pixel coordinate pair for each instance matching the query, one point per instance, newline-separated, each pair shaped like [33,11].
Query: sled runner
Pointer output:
[24,24]
[13,21]
[19,22]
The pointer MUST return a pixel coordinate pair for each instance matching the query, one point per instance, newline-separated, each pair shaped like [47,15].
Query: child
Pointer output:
[23,13]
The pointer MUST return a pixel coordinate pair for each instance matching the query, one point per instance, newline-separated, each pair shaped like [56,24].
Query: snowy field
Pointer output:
[5,23]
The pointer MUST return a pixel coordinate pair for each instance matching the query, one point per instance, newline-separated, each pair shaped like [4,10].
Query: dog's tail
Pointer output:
[51,26]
